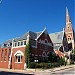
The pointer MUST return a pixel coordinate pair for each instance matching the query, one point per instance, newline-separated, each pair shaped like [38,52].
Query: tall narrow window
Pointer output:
[24,42]
[21,42]
[5,52]
[18,43]
[4,58]
[41,46]
[70,38]
[2,54]
[15,44]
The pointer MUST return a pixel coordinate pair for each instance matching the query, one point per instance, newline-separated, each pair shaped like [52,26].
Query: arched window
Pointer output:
[44,54]
[46,41]
[18,57]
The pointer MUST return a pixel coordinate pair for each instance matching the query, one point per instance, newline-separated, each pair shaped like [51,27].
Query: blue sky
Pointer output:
[19,16]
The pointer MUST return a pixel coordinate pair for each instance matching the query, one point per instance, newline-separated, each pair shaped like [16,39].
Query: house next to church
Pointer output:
[12,51]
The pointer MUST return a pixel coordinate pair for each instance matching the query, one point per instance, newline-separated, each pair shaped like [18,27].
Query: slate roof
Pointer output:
[57,37]
[8,41]
[56,47]
[0,45]
[33,35]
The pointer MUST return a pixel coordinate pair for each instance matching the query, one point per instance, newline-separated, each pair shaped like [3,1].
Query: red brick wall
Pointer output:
[38,51]
[16,65]
[4,64]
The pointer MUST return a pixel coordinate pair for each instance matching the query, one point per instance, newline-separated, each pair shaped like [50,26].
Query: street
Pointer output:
[64,72]
[70,71]
[12,73]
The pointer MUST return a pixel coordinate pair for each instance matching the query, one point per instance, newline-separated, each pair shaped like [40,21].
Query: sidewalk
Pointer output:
[32,71]
[60,68]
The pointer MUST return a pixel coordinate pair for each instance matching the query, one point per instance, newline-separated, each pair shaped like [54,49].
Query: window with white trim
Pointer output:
[18,57]
[21,42]
[18,43]
[24,42]
[15,44]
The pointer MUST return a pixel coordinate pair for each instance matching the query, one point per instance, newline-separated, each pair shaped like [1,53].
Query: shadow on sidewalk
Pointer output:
[11,73]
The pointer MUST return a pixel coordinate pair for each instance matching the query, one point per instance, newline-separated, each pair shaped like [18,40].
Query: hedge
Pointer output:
[44,65]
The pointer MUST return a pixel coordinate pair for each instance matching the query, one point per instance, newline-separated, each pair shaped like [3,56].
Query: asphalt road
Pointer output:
[70,71]
[11,73]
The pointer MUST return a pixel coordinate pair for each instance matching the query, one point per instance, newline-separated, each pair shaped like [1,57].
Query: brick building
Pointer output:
[12,51]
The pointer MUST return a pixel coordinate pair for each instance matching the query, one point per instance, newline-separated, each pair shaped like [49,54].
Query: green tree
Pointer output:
[53,57]
[62,61]
[28,54]
[73,55]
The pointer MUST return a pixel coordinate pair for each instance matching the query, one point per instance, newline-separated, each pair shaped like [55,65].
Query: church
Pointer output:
[12,51]
[64,40]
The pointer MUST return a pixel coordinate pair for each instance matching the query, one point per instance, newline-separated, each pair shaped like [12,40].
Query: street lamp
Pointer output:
[35,64]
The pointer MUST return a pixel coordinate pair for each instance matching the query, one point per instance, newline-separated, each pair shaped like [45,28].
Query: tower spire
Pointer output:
[67,13]
[67,16]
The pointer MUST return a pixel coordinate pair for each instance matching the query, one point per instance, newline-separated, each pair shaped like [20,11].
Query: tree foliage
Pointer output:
[28,53]
[73,56]
[62,61]
[53,57]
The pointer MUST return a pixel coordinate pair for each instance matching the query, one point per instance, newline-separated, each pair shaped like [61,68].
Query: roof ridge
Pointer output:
[38,32]
[7,40]
[56,32]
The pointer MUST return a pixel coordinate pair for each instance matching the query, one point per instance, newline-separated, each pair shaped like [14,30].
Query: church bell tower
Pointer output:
[69,31]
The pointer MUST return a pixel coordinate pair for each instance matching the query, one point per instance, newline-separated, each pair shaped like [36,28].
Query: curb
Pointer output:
[60,69]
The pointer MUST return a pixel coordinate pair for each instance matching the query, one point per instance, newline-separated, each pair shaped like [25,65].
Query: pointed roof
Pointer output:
[57,37]
[67,16]
[67,13]
[44,31]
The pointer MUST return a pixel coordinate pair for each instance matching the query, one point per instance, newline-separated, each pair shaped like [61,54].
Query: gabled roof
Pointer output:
[57,37]
[33,35]
[44,31]
[8,41]
[24,37]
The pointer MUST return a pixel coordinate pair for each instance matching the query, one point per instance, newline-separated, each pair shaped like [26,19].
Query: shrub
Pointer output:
[62,61]
[44,65]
